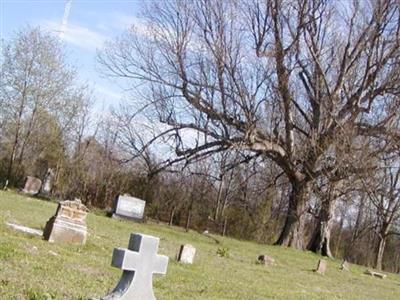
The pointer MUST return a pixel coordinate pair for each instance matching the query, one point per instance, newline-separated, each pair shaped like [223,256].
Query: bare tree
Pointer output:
[386,199]
[37,87]
[280,79]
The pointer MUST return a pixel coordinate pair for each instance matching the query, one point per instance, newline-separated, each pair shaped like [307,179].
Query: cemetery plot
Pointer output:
[32,267]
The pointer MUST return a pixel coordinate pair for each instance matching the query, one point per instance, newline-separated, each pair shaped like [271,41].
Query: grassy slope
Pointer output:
[28,269]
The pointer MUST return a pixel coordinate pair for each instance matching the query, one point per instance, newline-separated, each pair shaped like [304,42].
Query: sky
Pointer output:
[90,24]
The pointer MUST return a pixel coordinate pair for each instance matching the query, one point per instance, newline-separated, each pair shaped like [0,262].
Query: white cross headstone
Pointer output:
[139,262]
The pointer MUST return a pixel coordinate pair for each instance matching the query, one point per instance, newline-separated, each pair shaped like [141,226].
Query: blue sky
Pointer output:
[90,24]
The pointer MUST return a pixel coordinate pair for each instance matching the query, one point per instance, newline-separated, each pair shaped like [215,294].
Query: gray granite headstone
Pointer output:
[129,207]
[139,262]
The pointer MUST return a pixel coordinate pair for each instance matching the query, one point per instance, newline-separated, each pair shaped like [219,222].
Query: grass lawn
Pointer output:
[31,268]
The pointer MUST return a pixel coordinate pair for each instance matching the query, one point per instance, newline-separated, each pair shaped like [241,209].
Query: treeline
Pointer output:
[269,127]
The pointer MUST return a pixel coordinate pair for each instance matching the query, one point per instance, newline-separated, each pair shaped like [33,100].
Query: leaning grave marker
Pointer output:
[186,254]
[139,262]
[129,207]
[32,185]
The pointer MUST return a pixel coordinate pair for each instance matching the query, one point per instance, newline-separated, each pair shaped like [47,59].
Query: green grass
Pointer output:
[29,268]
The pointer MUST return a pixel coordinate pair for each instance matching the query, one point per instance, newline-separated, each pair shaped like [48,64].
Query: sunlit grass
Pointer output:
[31,268]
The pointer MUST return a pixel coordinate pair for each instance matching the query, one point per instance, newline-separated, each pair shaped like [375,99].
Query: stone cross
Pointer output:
[139,262]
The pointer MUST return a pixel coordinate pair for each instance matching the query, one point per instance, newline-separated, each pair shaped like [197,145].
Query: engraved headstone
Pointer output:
[322,265]
[139,262]
[129,207]
[68,225]
[186,254]
[32,185]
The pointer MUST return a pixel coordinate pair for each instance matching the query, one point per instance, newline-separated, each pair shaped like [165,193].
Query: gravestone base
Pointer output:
[122,217]
[60,230]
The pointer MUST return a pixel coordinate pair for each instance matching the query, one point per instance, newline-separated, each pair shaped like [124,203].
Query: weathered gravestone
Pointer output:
[32,185]
[68,225]
[266,260]
[321,268]
[344,266]
[186,254]
[139,262]
[129,207]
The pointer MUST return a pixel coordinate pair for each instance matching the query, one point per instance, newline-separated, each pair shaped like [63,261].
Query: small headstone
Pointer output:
[266,260]
[344,266]
[32,185]
[321,268]
[375,274]
[68,225]
[139,262]
[186,254]
[129,207]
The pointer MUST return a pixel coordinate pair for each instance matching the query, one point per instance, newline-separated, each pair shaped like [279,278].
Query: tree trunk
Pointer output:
[224,227]
[320,239]
[171,216]
[381,250]
[188,219]
[292,233]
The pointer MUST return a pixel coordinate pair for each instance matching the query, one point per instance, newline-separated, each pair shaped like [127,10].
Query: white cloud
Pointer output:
[78,35]
[107,94]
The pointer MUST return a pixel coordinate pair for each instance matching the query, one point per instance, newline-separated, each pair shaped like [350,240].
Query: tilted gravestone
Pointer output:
[322,266]
[129,207]
[139,262]
[32,185]
[68,225]
[186,254]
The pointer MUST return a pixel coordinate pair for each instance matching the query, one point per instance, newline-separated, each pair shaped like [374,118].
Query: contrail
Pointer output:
[65,18]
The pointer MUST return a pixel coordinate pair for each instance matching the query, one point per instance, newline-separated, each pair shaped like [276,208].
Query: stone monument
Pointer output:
[139,262]
[129,207]
[68,225]
[321,268]
[186,254]
[32,185]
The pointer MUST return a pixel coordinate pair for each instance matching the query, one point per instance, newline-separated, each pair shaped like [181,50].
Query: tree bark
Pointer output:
[292,233]
[171,217]
[320,239]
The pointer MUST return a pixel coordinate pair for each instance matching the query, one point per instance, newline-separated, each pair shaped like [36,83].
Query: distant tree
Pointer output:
[37,88]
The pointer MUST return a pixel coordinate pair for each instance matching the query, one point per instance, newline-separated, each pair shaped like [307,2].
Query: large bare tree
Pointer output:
[273,78]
